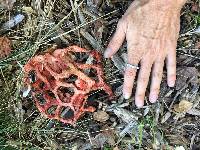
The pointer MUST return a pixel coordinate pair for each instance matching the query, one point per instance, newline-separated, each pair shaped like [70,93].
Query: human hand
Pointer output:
[151,28]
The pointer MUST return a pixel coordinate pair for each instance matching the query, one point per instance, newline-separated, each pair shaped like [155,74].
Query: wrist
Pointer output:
[168,4]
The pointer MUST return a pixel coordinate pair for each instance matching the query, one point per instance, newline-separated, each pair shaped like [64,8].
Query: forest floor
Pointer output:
[33,26]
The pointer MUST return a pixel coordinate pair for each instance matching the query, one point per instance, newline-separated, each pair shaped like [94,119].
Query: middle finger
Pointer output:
[142,81]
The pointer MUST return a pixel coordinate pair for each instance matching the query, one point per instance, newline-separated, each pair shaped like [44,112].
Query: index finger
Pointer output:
[117,39]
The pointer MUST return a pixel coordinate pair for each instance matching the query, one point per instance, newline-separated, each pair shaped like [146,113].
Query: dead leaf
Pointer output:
[101,116]
[99,28]
[186,74]
[99,140]
[183,106]
[126,115]
[197,45]
[128,128]
[106,136]
[110,133]
[119,63]
[194,112]
[166,117]
[7,4]
[5,47]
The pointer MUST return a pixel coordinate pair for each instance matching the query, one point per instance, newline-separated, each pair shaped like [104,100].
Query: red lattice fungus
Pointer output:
[61,82]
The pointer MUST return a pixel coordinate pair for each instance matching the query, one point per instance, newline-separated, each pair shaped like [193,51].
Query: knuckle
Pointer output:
[130,73]
[147,62]
[160,58]
[172,65]
[146,67]
[147,36]
[134,55]
[172,76]
[160,61]
[132,45]
[155,90]
[143,80]
[140,96]
[127,88]
[157,75]
[152,54]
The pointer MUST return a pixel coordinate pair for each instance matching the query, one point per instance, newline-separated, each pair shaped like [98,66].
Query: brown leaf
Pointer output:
[183,106]
[195,7]
[5,47]
[110,134]
[99,28]
[99,140]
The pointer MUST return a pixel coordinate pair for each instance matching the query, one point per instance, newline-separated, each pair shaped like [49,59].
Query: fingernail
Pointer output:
[171,83]
[107,53]
[126,95]
[139,103]
[153,98]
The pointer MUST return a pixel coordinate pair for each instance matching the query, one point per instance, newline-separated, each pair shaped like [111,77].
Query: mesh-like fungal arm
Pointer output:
[61,82]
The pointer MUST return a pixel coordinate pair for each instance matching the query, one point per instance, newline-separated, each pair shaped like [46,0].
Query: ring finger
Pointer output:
[130,73]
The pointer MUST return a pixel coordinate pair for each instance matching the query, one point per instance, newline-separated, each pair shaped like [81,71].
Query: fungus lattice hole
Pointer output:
[51,110]
[67,90]
[97,95]
[94,61]
[71,79]
[51,94]
[32,76]
[65,93]
[40,99]
[66,113]
[92,73]
[79,57]
[41,85]
[94,96]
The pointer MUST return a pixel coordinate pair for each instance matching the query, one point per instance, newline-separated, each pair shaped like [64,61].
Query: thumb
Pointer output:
[117,40]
